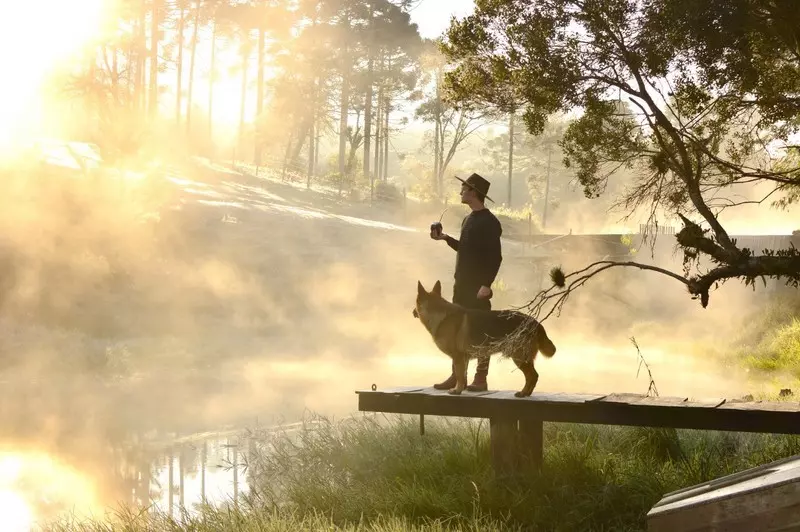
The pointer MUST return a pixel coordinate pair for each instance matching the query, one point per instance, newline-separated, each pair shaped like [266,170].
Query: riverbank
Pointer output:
[378,473]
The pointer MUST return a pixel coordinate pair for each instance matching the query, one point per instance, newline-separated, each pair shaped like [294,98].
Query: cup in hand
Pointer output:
[436,229]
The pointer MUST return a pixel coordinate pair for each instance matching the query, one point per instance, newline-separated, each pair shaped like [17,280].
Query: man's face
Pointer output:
[466,194]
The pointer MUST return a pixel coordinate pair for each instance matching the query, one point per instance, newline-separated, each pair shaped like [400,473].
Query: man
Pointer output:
[478,259]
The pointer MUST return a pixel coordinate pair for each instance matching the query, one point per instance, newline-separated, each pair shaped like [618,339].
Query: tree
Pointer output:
[303,90]
[692,136]
[452,127]
[452,124]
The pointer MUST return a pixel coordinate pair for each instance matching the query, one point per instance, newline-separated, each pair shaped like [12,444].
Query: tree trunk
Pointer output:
[442,131]
[302,132]
[141,47]
[245,58]
[115,74]
[343,112]
[259,90]
[546,189]
[436,173]
[510,154]
[316,147]
[368,128]
[155,37]
[379,135]
[132,65]
[343,103]
[311,144]
[178,84]
[368,106]
[211,80]
[386,138]
[191,68]
[286,155]
[439,142]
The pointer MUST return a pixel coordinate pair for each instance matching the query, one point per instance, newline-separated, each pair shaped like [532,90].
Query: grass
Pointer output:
[378,473]
[769,341]
[249,520]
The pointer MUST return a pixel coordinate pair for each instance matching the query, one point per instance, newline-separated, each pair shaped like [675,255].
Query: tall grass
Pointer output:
[378,473]
[261,520]
[769,341]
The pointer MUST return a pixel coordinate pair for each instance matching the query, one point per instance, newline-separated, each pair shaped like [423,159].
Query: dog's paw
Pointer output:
[454,391]
[521,394]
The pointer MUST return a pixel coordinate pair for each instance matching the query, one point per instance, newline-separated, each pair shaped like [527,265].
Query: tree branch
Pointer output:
[558,295]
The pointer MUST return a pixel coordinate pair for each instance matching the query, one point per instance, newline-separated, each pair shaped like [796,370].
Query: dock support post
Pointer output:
[531,432]
[516,445]
[422,424]
[503,444]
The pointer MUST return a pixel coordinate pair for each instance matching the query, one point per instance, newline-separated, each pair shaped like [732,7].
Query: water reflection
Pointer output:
[178,476]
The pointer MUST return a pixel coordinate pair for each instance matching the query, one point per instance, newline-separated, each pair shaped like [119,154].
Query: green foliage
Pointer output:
[385,191]
[769,339]
[627,241]
[781,352]
[735,47]
[685,108]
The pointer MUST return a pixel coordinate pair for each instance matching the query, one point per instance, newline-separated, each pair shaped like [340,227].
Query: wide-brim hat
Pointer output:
[477,183]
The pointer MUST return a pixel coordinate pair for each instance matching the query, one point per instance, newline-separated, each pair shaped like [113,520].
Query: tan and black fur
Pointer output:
[462,333]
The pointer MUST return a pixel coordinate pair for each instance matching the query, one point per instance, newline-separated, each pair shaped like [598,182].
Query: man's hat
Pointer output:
[477,183]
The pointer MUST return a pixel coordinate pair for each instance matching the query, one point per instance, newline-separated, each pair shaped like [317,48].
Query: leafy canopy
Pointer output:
[694,96]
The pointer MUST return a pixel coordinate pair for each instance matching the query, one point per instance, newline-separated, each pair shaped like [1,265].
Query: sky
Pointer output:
[433,16]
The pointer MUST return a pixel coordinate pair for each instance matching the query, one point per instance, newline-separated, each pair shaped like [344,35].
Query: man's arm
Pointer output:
[452,242]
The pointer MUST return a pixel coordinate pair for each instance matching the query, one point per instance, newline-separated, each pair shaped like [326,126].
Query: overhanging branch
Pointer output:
[557,295]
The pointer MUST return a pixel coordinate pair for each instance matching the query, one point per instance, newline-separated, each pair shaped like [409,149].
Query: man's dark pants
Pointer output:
[467,296]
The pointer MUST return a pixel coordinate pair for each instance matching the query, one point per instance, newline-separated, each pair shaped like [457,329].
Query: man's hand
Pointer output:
[484,292]
[438,236]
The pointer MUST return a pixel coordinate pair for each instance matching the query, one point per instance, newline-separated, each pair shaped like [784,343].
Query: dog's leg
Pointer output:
[460,370]
[525,364]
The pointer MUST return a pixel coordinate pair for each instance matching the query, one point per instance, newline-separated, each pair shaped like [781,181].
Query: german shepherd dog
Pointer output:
[463,333]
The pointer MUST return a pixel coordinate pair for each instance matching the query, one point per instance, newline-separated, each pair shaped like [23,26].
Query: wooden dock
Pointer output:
[516,423]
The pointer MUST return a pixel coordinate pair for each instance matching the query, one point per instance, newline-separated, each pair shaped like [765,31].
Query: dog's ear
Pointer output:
[420,289]
[437,289]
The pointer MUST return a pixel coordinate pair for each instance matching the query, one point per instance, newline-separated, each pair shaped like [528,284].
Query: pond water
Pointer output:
[172,475]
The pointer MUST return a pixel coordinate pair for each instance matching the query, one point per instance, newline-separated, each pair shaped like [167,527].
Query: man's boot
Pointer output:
[479,381]
[448,383]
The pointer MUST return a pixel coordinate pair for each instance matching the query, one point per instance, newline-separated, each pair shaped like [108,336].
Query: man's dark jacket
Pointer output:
[478,254]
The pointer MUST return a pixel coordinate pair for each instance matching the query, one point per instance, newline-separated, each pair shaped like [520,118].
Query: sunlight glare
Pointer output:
[16,512]
[27,54]
[28,479]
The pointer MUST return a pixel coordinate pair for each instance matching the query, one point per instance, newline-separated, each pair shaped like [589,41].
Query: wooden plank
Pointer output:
[480,394]
[663,401]
[769,406]
[430,391]
[777,417]
[704,402]
[504,395]
[396,389]
[546,397]
[561,397]
[624,398]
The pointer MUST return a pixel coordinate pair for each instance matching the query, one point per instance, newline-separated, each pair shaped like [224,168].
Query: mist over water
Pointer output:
[151,289]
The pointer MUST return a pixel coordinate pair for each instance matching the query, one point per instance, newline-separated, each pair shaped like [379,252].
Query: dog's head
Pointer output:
[424,297]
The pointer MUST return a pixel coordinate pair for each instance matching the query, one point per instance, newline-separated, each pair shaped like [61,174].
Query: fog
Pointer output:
[169,289]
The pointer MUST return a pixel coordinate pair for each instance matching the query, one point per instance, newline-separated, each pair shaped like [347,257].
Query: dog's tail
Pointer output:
[546,346]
